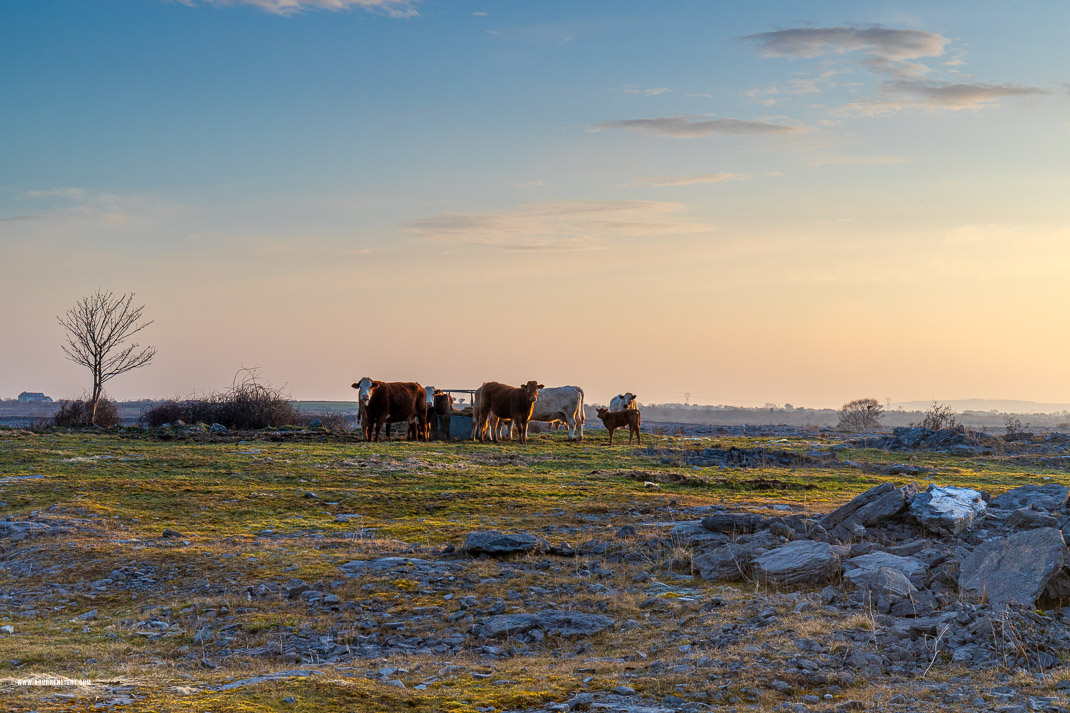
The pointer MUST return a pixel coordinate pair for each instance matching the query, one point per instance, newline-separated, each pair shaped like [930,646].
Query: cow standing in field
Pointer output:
[619,419]
[622,402]
[496,400]
[561,404]
[391,402]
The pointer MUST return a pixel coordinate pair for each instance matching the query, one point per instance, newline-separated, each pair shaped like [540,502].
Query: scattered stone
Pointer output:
[873,507]
[728,562]
[171,534]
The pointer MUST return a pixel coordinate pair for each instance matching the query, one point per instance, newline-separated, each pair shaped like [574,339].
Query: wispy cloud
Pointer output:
[841,160]
[649,92]
[934,96]
[20,218]
[559,226]
[663,181]
[889,50]
[690,127]
[394,8]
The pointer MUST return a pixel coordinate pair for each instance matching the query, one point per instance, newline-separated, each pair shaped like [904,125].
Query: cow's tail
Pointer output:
[583,416]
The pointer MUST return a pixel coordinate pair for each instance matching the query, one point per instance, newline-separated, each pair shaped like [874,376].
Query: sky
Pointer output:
[747,203]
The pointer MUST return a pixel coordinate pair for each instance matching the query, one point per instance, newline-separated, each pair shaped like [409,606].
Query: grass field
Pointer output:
[246,512]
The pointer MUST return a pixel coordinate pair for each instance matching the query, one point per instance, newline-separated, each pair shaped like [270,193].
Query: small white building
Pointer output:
[28,397]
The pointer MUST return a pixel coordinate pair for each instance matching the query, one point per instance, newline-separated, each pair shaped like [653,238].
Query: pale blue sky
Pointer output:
[773,201]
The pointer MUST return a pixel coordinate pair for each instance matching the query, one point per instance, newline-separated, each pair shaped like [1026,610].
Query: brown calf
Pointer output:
[503,401]
[619,419]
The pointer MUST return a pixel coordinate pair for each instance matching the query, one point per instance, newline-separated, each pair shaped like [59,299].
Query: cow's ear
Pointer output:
[540,386]
[356,386]
[376,384]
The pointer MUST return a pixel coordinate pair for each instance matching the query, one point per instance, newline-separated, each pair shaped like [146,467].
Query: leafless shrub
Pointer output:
[860,415]
[248,405]
[937,417]
[78,413]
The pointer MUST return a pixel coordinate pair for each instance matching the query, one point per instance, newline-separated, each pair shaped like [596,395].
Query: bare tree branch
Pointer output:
[98,329]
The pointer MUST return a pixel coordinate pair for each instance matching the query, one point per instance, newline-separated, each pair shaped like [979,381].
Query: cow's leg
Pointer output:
[611,435]
[571,423]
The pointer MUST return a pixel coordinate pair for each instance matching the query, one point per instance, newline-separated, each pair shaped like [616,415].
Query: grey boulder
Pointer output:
[1015,569]
[691,533]
[947,510]
[733,522]
[553,622]
[873,507]
[798,562]
[1051,497]
[490,542]
[859,570]
[728,562]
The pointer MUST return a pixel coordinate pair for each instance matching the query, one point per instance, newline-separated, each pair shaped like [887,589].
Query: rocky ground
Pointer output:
[666,596]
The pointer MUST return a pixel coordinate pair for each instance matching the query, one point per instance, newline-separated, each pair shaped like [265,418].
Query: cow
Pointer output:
[364,390]
[391,402]
[619,419]
[494,399]
[439,413]
[561,404]
[622,402]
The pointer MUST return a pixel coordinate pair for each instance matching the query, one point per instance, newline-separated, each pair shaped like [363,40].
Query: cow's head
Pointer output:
[532,390]
[364,389]
[430,391]
[602,411]
[629,399]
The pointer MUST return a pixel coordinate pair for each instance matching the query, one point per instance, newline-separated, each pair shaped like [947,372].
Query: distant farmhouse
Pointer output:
[27,397]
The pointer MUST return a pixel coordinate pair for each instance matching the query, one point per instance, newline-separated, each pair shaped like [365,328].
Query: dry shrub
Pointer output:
[939,416]
[78,413]
[247,405]
[860,415]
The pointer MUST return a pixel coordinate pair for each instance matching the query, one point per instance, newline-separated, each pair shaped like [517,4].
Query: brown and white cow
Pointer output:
[497,400]
[622,402]
[391,402]
[561,404]
[619,419]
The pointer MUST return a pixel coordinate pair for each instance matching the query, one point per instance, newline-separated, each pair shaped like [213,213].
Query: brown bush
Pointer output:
[248,405]
[78,413]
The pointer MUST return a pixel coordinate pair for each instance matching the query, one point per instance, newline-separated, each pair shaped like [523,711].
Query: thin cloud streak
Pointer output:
[664,181]
[394,8]
[565,226]
[935,96]
[686,126]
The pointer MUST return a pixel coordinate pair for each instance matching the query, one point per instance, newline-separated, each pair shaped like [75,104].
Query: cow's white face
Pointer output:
[629,398]
[430,395]
[364,389]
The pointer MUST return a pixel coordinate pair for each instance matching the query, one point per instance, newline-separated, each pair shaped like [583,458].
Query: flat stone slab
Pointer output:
[947,510]
[873,507]
[858,570]
[1015,569]
[384,564]
[552,622]
[798,562]
[691,533]
[1051,497]
[491,542]
[295,673]
[733,523]
[730,562]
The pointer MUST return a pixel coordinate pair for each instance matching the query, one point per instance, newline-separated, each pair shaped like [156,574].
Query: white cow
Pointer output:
[364,390]
[622,402]
[561,403]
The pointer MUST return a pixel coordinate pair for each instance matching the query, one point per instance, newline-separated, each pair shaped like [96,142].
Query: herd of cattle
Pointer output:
[495,406]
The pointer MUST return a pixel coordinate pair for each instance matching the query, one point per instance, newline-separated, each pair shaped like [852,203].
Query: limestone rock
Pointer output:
[947,510]
[798,562]
[858,570]
[1014,569]
[1051,497]
[491,542]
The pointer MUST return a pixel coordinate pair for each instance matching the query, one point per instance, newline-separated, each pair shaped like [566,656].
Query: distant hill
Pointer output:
[1000,405]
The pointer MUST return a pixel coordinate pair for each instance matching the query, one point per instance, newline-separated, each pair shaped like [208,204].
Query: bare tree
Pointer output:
[860,414]
[938,416]
[98,329]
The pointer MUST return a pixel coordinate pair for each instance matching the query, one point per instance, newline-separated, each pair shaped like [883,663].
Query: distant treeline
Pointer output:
[130,412]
